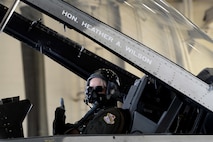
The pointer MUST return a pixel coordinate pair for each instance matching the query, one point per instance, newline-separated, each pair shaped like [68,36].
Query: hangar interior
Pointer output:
[29,74]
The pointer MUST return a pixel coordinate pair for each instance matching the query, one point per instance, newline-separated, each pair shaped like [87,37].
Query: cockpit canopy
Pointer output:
[158,26]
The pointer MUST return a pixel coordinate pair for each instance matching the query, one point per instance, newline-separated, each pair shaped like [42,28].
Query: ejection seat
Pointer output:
[142,124]
[207,76]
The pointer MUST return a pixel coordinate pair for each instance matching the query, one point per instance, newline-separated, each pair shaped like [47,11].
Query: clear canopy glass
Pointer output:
[157,25]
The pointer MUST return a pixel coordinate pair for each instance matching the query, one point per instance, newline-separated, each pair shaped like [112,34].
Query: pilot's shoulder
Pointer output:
[108,121]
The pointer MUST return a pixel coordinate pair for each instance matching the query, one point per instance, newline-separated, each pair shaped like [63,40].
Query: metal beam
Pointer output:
[8,15]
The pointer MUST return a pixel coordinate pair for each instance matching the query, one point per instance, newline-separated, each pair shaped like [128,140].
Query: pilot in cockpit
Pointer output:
[106,115]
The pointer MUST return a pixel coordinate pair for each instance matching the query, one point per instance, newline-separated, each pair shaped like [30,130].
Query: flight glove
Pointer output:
[59,121]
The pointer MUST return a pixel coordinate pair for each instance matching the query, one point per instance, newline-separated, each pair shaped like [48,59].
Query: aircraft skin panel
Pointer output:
[130,50]
[116,138]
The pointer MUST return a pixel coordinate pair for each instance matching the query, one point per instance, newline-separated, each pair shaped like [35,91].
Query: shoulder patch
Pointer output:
[109,118]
